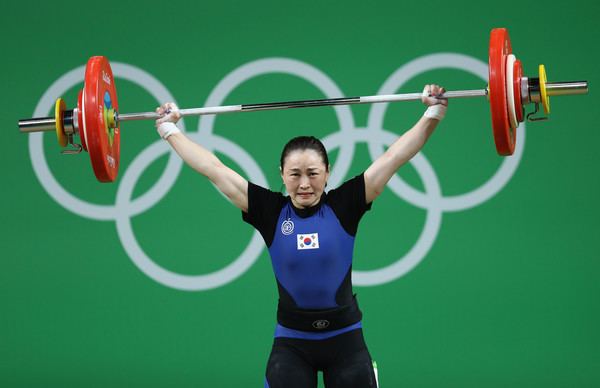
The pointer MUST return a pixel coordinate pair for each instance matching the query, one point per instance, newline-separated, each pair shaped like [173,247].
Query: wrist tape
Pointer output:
[437,112]
[166,129]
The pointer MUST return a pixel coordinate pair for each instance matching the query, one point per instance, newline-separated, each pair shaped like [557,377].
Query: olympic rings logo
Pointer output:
[345,139]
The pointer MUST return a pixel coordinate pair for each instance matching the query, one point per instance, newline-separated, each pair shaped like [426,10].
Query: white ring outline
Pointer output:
[169,278]
[447,203]
[49,182]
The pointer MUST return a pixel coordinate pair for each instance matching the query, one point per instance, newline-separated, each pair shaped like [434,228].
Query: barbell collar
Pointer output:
[69,122]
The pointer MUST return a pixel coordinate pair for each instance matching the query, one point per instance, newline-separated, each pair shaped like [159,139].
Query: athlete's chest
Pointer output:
[318,236]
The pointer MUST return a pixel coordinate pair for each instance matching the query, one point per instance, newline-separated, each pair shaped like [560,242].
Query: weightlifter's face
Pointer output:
[305,176]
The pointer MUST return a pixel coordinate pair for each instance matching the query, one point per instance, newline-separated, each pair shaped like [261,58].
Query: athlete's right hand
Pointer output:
[436,107]
[165,125]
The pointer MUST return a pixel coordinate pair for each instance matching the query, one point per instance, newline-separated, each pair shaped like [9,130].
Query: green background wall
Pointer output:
[507,293]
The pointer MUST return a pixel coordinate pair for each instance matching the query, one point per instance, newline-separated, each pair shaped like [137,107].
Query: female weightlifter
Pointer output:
[310,237]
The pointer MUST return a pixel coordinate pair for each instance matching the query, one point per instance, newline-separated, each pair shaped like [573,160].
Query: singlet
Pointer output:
[311,253]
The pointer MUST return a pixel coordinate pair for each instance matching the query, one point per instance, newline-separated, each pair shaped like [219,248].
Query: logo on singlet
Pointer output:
[287,227]
[321,324]
[308,241]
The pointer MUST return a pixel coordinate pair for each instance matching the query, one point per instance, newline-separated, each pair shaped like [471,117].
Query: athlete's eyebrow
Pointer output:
[296,169]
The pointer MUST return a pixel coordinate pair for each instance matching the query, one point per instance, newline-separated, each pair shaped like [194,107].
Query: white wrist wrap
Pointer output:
[166,129]
[437,112]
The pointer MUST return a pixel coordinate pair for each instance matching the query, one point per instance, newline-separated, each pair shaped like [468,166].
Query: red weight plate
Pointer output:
[99,95]
[80,119]
[499,48]
[517,75]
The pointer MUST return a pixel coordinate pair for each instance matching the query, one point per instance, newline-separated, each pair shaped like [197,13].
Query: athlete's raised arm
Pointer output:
[406,146]
[229,182]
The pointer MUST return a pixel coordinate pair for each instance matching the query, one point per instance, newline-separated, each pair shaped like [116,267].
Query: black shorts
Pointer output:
[343,359]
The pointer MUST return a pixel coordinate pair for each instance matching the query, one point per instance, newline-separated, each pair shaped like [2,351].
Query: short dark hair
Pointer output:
[305,143]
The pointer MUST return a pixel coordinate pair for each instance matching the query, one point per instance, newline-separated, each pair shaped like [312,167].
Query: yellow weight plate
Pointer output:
[543,92]
[59,108]
[110,118]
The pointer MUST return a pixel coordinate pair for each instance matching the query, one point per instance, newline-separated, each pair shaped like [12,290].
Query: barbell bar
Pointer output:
[42,124]
[97,119]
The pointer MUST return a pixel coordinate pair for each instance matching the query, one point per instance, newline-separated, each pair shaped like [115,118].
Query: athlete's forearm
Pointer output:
[195,155]
[229,182]
[409,144]
[400,152]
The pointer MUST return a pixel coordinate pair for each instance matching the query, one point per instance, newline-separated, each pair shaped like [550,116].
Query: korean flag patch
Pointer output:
[308,241]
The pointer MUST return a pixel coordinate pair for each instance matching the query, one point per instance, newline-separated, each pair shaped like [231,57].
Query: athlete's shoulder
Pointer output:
[264,207]
[353,187]
[348,202]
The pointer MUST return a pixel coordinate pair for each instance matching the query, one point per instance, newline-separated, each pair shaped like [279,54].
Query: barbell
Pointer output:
[96,119]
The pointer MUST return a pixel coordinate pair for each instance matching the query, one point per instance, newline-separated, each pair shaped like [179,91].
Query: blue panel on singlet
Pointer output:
[282,331]
[311,256]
